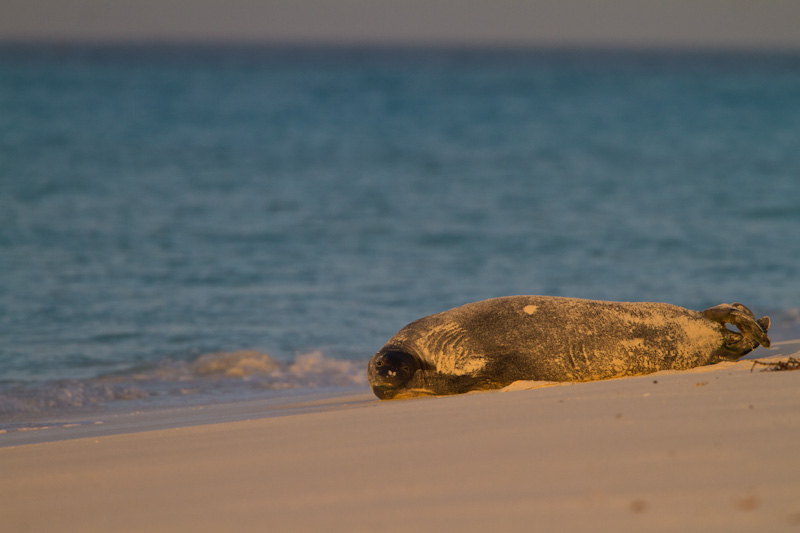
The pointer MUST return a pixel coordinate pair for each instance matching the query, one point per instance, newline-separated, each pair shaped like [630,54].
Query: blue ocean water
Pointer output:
[205,222]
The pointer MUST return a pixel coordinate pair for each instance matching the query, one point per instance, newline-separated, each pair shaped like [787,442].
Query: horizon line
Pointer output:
[401,44]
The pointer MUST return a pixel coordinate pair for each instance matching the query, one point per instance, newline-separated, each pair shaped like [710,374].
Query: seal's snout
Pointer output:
[391,370]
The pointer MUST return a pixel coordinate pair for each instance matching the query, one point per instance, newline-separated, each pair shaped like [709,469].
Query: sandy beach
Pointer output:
[713,449]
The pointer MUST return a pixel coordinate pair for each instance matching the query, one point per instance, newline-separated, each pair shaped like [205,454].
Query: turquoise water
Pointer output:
[163,208]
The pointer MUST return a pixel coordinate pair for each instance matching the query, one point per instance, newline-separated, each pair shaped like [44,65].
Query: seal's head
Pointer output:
[389,371]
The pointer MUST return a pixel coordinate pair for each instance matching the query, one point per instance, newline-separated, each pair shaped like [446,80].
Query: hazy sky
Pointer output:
[685,23]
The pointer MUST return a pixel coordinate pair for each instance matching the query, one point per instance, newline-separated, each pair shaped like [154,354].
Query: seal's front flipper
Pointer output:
[754,331]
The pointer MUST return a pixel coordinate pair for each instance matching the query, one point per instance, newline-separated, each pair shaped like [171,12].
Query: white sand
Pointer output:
[715,449]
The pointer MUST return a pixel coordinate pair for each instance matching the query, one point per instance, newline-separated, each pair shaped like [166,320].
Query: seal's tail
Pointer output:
[754,331]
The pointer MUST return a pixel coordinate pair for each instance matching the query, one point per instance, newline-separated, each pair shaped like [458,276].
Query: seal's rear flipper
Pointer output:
[764,323]
[740,316]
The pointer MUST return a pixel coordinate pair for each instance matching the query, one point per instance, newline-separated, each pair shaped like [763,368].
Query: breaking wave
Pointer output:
[217,374]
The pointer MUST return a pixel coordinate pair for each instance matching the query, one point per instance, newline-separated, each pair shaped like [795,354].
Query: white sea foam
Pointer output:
[241,363]
[219,373]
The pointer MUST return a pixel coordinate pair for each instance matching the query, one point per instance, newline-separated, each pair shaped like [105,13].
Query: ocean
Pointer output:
[199,224]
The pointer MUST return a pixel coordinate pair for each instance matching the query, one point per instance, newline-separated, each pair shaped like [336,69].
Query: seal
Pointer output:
[492,343]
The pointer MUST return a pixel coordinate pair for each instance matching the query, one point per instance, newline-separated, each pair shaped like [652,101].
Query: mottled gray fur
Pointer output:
[492,343]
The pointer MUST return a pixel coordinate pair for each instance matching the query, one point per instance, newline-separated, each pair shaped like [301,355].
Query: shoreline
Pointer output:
[103,423]
[122,419]
[710,449]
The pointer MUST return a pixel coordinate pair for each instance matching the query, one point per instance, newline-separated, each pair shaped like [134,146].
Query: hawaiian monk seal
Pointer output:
[492,343]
